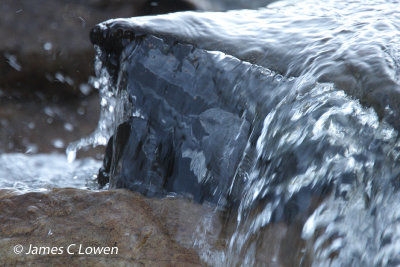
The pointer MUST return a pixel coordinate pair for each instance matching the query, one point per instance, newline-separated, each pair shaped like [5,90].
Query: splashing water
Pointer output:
[327,153]
[114,107]
[315,127]
[32,173]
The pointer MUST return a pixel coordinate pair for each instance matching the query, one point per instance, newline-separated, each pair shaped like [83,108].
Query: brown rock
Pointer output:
[144,231]
[147,232]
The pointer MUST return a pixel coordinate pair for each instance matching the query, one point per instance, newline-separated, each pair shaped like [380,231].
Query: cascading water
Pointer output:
[337,142]
[114,105]
[281,116]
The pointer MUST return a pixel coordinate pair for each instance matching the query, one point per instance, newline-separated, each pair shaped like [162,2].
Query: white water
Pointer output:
[24,173]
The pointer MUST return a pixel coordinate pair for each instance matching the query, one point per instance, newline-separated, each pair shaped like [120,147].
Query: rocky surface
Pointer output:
[147,232]
[270,42]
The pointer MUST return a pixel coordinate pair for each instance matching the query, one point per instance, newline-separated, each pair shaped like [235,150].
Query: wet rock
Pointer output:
[202,92]
[146,232]
[318,49]
[198,125]
[196,115]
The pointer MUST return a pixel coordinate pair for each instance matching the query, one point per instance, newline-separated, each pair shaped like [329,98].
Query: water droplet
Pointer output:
[96,84]
[48,46]
[12,61]
[103,102]
[31,149]
[31,125]
[64,79]
[83,22]
[81,111]
[49,111]
[71,155]
[58,143]
[69,127]
[85,88]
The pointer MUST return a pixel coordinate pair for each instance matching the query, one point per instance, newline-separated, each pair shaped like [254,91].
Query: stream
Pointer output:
[283,119]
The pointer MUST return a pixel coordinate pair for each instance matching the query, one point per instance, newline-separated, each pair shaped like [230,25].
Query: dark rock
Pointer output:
[310,46]
[193,127]
[202,91]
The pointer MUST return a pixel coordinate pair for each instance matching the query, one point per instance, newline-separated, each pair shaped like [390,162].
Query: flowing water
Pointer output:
[26,173]
[311,94]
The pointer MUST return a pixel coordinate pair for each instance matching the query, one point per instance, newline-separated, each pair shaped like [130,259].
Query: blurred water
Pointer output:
[114,108]
[24,173]
[327,153]
[347,43]
[240,4]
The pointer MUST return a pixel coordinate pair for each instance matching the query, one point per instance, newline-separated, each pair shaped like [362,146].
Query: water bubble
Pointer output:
[278,77]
